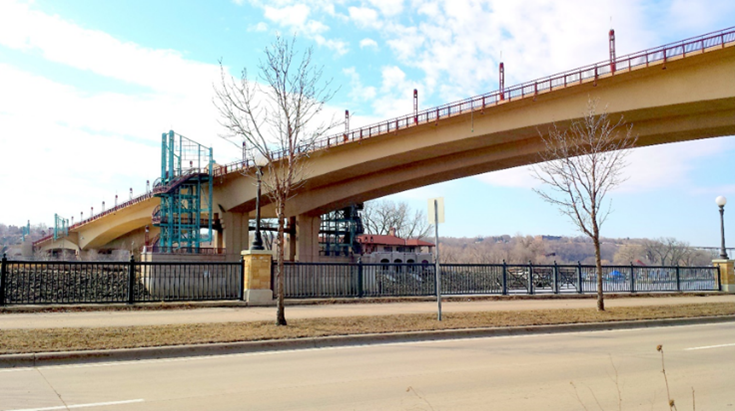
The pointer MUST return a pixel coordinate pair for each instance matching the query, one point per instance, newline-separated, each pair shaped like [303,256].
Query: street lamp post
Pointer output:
[260,161]
[721,201]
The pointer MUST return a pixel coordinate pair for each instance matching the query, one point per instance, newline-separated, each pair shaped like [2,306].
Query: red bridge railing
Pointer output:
[531,88]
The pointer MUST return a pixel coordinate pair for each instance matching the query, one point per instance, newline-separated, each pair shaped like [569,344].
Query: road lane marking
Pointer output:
[95,404]
[707,347]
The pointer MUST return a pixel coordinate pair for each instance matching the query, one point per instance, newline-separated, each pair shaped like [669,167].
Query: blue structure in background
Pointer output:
[61,227]
[185,189]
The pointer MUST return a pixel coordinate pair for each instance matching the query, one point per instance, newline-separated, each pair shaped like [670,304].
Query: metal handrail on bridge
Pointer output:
[527,89]
[112,210]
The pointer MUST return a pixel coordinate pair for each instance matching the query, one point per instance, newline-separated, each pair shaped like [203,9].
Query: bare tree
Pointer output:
[581,165]
[670,251]
[278,116]
[381,215]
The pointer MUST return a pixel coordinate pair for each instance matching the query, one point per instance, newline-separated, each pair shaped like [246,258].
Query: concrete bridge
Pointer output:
[678,92]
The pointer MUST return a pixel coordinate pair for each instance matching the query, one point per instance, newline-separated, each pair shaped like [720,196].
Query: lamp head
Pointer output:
[720,201]
[259,159]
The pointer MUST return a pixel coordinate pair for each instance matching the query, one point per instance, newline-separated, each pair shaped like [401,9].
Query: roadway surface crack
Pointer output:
[52,387]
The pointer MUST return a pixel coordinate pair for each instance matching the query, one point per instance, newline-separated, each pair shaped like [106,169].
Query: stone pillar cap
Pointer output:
[256,252]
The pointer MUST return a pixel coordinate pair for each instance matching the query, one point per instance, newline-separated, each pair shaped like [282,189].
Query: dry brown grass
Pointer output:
[63,339]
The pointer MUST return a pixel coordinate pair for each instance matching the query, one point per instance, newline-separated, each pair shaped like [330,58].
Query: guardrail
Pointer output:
[330,280]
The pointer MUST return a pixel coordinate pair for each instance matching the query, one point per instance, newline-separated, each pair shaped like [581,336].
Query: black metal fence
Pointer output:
[79,282]
[328,280]
[76,282]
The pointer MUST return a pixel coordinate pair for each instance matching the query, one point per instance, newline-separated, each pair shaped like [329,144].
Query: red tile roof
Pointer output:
[391,240]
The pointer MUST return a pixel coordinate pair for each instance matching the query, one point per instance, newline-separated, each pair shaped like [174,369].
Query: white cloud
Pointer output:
[290,16]
[393,77]
[667,165]
[368,43]
[358,91]
[296,18]
[73,147]
[388,7]
[518,177]
[260,27]
[648,168]
[364,16]
[63,42]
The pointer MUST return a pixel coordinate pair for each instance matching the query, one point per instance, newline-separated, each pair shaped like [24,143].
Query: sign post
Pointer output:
[436,216]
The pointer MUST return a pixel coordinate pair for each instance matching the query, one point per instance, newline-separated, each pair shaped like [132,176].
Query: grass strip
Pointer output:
[65,339]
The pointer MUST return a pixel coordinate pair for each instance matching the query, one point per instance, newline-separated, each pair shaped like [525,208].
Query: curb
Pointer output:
[178,351]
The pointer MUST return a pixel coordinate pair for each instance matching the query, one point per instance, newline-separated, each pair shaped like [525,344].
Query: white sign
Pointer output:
[432,214]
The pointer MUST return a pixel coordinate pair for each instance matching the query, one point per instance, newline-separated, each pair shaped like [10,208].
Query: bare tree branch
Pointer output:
[277,118]
[580,165]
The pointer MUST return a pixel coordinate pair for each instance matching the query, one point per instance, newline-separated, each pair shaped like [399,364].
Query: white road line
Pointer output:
[96,404]
[707,347]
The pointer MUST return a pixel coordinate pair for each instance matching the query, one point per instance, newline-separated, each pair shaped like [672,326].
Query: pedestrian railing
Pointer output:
[81,282]
[331,280]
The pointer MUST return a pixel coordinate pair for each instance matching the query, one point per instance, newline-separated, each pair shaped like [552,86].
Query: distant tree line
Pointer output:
[521,249]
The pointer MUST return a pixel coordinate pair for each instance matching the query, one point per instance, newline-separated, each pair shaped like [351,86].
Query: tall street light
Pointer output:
[721,201]
[260,161]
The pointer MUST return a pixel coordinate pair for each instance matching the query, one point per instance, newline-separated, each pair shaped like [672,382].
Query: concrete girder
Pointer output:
[692,98]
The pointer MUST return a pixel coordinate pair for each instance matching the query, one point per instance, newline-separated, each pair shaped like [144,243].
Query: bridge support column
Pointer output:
[257,277]
[307,238]
[236,234]
[727,274]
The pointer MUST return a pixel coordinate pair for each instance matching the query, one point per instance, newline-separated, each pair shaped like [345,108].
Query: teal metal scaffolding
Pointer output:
[24,231]
[186,209]
[61,227]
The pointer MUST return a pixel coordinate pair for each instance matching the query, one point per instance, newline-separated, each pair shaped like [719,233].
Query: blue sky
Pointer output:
[87,88]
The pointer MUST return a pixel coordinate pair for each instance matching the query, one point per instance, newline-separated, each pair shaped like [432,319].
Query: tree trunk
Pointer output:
[280,310]
[598,267]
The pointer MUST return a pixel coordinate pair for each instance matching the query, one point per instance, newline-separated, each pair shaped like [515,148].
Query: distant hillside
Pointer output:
[568,250]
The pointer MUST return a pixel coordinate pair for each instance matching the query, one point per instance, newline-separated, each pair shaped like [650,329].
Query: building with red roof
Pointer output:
[393,249]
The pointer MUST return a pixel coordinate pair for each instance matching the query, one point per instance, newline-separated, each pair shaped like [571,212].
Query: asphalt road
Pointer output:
[502,373]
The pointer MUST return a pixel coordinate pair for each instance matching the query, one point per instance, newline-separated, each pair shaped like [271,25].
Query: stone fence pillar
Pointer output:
[727,274]
[257,277]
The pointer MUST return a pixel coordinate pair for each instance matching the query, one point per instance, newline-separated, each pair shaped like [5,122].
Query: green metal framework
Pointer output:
[24,231]
[61,227]
[339,230]
[185,210]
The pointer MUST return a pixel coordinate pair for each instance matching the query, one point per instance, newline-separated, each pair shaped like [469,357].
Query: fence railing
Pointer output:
[330,280]
[81,282]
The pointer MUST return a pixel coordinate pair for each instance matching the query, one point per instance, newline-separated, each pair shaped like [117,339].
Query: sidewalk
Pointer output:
[241,314]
